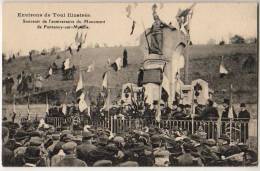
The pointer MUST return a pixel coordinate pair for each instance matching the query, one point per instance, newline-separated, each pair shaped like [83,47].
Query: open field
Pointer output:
[204,63]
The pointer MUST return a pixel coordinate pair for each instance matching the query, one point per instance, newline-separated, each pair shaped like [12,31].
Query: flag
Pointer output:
[158,115]
[14,107]
[222,69]
[47,105]
[105,81]
[133,27]
[230,110]
[107,101]
[28,109]
[77,37]
[80,38]
[118,63]
[79,88]
[64,105]
[91,67]
[108,61]
[67,64]
[85,37]
[14,110]
[50,71]
[82,103]
[64,109]
[165,88]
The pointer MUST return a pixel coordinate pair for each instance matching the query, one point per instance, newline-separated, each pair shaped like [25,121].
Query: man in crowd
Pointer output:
[244,117]
[7,154]
[209,112]
[125,60]
[70,158]
[226,106]
[8,82]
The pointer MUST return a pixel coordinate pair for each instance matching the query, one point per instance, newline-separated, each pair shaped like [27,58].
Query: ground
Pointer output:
[204,63]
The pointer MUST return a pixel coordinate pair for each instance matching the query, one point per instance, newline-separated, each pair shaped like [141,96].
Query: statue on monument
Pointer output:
[156,32]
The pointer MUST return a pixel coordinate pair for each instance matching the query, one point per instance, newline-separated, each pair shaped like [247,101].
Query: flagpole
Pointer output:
[159,105]
[108,94]
[230,108]
[14,109]
[28,107]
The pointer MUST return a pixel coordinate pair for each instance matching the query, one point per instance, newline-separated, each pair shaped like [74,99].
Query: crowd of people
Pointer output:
[33,144]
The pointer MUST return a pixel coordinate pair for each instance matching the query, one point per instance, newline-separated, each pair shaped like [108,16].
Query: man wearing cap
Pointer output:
[7,155]
[86,147]
[187,159]
[244,116]
[161,155]
[70,159]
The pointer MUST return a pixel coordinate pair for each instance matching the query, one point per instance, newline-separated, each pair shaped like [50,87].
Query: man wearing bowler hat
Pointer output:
[244,117]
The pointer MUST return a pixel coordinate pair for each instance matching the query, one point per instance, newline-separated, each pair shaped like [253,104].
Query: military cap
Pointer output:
[129,164]
[101,163]
[69,146]
[21,135]
[35,141]
[156,139]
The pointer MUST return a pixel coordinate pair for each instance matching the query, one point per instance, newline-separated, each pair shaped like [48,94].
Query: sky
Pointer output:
[210,20]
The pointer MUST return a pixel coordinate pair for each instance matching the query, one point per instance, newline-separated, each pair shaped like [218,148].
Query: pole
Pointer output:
[231,112]
[193,112]
[159,106]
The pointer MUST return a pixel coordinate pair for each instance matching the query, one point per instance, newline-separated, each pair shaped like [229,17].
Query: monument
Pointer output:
[162,46]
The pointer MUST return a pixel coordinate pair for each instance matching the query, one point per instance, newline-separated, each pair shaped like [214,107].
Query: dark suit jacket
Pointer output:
[70,161]
[7,156]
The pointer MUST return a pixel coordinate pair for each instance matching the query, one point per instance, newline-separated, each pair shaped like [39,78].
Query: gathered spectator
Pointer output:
[8,82]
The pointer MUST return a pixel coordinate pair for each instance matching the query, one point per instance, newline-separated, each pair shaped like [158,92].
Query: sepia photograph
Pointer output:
[130,84]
